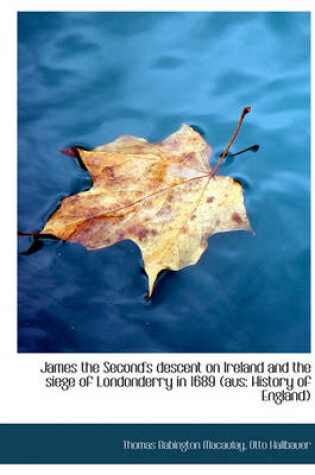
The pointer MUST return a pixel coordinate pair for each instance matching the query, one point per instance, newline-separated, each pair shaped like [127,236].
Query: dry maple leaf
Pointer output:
[163,196]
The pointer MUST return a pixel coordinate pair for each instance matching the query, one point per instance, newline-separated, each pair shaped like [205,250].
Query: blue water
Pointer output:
[85,79]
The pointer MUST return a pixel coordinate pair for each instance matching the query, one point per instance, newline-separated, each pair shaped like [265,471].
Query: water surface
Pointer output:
[85,79]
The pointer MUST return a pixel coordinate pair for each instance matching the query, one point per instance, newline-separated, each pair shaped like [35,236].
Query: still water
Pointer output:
[85,79]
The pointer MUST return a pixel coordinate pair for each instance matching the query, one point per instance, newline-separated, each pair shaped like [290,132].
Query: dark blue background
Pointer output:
[86,78]
[104,443]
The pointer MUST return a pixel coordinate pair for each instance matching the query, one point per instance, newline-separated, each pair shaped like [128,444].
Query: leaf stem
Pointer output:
[246,110]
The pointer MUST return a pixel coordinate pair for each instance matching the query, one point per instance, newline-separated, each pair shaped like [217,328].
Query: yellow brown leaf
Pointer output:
[163,196]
